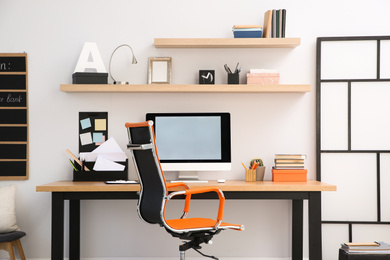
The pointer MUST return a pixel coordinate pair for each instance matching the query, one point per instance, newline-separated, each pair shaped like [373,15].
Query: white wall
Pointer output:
[53,33]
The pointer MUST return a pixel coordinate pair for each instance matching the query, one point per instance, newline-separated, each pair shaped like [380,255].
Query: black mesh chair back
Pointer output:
[152,182]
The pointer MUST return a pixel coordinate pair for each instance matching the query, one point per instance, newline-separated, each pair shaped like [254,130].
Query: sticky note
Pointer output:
[104,139]
[86,138]
[100,124]
[97,137]
[85,123]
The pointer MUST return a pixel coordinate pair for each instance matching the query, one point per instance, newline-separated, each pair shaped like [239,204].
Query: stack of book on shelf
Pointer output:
[247,31]
[275,24]
[289,167]
[365,248]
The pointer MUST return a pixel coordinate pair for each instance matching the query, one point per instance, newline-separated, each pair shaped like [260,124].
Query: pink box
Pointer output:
[263,78]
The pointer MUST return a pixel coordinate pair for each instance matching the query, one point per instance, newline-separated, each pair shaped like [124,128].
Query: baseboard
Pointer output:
[169,258]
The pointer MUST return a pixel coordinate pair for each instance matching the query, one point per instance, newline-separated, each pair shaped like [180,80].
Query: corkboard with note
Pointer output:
[13,116]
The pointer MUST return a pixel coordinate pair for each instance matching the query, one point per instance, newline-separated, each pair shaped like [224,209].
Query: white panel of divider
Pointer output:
[334,116]
[384,186]
[385,59]
[349,60]
[355,177]
[370,120]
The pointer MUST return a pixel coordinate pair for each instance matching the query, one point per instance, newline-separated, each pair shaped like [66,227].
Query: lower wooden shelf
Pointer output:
[194,88]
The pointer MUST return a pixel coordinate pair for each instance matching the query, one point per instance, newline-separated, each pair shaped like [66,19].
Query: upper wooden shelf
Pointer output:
[195,88]
[227,42]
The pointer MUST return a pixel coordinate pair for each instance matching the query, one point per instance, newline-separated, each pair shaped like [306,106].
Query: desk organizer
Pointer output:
[262,78]
[250,175]
[99,175]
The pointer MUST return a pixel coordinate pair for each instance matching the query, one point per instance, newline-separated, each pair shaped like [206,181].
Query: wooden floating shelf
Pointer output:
[227,42]
[195,88]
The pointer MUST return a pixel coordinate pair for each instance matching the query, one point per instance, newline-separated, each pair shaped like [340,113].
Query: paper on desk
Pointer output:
[109,150]
[103,164]
[91,157]
[109,146]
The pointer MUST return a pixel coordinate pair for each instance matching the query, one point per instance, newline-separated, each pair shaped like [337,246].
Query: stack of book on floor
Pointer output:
[275,24]
[289,167]
[248,31]
[366,248]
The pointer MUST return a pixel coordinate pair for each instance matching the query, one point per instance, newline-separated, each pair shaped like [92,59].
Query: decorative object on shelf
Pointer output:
[133,61]
[263,77]
[260,168]
[206,77]
[233,77]
[160,70]
[90,68]
[247,31]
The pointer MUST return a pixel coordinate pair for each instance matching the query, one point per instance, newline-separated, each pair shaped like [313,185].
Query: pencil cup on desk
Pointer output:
[250,175]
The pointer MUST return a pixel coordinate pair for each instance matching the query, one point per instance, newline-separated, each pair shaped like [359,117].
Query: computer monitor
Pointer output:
[192,142]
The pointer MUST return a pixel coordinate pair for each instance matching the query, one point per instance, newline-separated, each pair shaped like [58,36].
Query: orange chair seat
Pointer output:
[192,223]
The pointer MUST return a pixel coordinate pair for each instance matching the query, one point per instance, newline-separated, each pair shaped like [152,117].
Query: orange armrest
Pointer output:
[204,190]
[177,184]
[188,198]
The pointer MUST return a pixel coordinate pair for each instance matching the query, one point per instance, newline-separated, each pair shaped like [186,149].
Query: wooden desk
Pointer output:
[294,191]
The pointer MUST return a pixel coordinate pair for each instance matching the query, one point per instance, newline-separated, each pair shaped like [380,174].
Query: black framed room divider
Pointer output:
[353,133]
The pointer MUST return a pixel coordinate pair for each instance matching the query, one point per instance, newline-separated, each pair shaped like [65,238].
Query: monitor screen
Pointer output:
[192,141]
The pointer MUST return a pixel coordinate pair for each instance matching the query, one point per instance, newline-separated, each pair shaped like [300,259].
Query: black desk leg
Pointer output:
[57,226]
[74,230]
[315,229]
[297,229]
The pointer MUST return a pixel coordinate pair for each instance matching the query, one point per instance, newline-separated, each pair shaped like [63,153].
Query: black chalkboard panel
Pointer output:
[92,124]
[13,151]
[11,133]
[13,82]
[13,99]
[14,168]
[13,116]
[12,64]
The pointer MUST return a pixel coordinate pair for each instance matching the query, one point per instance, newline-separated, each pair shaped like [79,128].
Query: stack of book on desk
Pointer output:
[366,248]
[248,31]
[289,167]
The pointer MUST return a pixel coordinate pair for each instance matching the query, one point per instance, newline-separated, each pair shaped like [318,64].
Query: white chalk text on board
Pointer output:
[14,156]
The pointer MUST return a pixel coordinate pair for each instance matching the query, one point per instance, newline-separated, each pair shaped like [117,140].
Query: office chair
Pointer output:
[154,194]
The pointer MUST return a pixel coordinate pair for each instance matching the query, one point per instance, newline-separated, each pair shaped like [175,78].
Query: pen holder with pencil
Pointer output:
[92,175]
[233,78]
[250,175]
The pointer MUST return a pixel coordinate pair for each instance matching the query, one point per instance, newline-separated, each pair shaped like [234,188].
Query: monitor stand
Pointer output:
[189,176]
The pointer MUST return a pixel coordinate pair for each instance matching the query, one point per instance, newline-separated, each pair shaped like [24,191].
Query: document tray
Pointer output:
[99,175]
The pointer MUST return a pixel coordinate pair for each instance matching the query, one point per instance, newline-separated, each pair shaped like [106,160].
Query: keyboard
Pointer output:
[190,181]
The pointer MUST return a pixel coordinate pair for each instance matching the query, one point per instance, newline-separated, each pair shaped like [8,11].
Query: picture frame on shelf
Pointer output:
[160,70]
